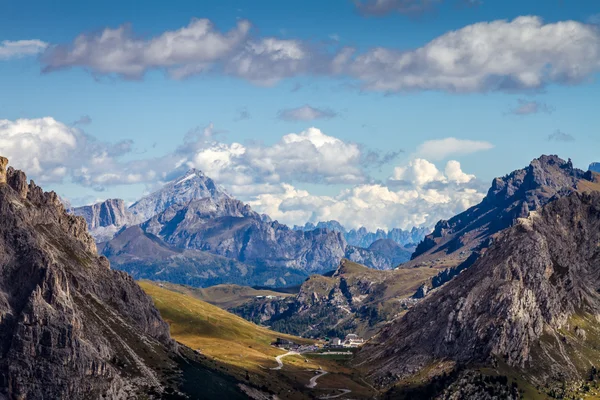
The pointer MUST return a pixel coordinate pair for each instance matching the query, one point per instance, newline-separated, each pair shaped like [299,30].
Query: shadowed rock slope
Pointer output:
[70,327]
[531,302]
[509,198]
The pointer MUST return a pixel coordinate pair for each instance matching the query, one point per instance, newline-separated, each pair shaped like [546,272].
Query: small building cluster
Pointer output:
[269,297]
[351,341]
[292,346]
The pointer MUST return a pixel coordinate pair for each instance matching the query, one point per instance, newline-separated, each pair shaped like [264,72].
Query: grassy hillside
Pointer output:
[353,299]
[242,349]
[223,296]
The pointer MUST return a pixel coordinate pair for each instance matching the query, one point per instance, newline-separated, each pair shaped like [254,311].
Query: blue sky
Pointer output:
[135,125]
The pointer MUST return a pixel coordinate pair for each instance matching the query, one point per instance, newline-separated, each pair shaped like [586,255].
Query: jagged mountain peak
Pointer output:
[192,185]
[528,302]
[70,327]
[509,197]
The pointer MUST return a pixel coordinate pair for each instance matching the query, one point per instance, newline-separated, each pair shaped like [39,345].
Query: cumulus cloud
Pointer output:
[21,48]
[442,148]
[305,113]
[51,151]
[183,52]
[522,54]
[264,175]
[309,156]
[269,60]
[531,107]
[378,206]
[560,136]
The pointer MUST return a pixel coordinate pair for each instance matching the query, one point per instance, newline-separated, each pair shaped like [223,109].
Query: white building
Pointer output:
[353,340]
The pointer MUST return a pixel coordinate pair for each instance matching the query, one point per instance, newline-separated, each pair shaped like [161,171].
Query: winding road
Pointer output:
[335,396]
[313,381]
[279,362]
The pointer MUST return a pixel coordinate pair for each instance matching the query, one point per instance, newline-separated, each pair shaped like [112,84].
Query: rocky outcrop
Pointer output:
[362,238]
[594,167]
[71,327]
[381,254]
[3,165]
[146,256]
[193,185]
[105,219]
[229,228]
[522,303]
[354,298]
[509,198]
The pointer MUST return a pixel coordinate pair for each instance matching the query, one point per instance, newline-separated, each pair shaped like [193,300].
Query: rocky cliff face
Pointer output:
[363,238]
[230,228]
[508,199]
[530,302]
[70,327]
[106,219]
[381,254]
[352,299]
[594,167]
[192,186]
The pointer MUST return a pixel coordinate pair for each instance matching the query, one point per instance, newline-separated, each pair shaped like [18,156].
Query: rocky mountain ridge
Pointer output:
[71,327]
[352,299]
[529,302]
[105,219]
[362,238]
[509,198]
[193,185]
[595,167]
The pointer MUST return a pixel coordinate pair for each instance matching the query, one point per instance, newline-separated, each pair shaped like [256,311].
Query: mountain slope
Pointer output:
[508,198]
[361,237]
[230,228]
[193,185]
[106,218]
[243,350]
[530,302]
[224,296]
[354,299]
[595,167]
[70,327]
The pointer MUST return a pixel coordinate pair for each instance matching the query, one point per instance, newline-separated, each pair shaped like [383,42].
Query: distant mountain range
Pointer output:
[361,237]
[191,231]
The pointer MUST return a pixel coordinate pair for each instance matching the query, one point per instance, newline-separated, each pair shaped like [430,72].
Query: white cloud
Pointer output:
[442,148]
[305,113]
[418,172]
[21,48]
[51,151]
[264,175]
[377,206]
[455,173]
[309,156]
[183,52]
[267,61]
[521,54]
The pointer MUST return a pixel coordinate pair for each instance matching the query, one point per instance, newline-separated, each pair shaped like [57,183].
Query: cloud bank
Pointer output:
[524,54]
[265,175]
